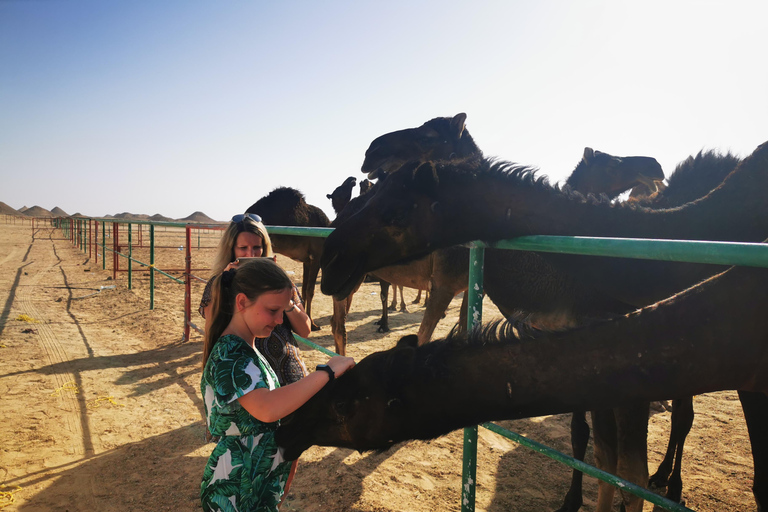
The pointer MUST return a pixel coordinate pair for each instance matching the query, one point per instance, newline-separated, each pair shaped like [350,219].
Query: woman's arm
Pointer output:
[271,405]
[299,320]
[297,317]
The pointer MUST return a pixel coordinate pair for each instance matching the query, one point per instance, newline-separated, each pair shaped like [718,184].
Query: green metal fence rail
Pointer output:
[721,253]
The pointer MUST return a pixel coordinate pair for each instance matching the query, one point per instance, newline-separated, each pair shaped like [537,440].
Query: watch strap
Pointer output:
[327,369]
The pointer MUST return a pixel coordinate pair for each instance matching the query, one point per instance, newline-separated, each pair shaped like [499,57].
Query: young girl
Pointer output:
[243,400]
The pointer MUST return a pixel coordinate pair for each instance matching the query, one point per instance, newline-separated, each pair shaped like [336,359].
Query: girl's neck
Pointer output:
[238,328]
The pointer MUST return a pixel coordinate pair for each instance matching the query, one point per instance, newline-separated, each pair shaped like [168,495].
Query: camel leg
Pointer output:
[403,308]
[667,475]
[384,322]
[605,436]
[393,306]
[437,305]
[579,440]
[309,278]
[418,298]
[632,449]
[339,326]
[755,407]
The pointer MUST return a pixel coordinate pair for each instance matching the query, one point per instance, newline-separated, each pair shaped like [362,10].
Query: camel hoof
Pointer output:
[382,328]
[392,308]
[570,504]
[404,309]
[315,327]
[657,483]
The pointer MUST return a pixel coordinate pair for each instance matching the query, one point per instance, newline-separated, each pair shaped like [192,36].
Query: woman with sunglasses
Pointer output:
[246,237]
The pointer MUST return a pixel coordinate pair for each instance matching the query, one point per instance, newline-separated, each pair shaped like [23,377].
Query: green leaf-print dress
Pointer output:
[246,471]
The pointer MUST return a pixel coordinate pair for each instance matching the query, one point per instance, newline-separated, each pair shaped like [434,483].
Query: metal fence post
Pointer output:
[474,317]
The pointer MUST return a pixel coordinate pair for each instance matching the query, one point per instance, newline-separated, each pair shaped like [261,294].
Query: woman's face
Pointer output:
[266,312]
[248,245]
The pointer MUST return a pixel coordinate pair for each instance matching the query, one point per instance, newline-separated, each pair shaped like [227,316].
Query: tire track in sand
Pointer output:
[71,404]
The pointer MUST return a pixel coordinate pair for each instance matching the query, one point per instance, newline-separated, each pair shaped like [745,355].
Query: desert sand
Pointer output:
[101,405]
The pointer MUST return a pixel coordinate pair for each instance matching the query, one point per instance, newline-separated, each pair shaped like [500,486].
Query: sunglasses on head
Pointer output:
[241,217]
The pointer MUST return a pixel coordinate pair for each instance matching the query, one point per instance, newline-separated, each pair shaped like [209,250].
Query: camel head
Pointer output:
[363,409]
[443,139]
[602,173]
[398,220]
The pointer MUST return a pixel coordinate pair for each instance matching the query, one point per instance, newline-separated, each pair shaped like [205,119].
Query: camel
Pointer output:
[286,206]
[708,338]
[533,206]
[342,194]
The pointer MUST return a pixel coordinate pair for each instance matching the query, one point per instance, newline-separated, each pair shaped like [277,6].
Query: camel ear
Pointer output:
[588,153]
[425,177]
[457,124]
[410,341]
[329,196]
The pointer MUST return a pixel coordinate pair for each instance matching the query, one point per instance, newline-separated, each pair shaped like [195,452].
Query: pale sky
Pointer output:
[178,106]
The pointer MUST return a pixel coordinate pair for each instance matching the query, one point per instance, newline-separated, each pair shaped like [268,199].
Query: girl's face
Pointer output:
[266,312]
[248,245]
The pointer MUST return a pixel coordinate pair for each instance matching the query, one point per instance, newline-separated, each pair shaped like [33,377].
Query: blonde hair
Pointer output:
[252,278]
[225,253]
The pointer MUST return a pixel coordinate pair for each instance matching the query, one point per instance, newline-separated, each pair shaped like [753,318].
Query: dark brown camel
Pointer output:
[286,206]
[734,211]
[708,338]
[522,284]
[342,194]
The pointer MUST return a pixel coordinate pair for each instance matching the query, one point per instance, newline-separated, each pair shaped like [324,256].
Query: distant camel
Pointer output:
[286,206]
[656,353]
[504,201]
[342,194]
[365,186]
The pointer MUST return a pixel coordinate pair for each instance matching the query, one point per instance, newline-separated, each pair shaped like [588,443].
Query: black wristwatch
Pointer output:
[327,369]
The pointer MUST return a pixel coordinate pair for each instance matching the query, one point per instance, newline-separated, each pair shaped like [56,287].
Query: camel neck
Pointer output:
[662,352]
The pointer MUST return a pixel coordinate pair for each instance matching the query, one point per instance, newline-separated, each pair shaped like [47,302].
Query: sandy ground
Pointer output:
[102,411]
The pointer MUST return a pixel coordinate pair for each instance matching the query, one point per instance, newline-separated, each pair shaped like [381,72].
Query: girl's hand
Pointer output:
[230,266]
[340,364]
